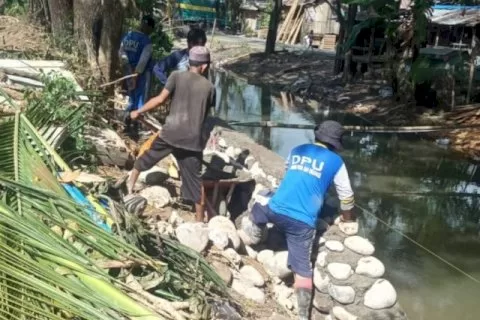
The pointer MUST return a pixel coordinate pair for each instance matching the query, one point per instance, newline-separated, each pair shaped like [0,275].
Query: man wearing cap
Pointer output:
[295,206]
[192,95]
[135,54]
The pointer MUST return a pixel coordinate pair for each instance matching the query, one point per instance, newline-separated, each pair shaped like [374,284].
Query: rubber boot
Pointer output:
[304,300]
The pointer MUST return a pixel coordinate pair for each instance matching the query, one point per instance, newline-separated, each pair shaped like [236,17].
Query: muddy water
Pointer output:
[413,185]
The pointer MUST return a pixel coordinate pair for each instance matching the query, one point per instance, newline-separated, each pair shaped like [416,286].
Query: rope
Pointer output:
[420,245]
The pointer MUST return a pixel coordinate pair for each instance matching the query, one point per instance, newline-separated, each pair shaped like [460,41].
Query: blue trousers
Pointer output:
[138,97]
[299,236]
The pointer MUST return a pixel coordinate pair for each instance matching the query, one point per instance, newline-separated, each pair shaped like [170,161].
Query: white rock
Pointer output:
[222,143]
[249,161]
[273,181]
[371,267]
[253,275]
[337,221]
[237,152]
[226,225]
[193,235]
[256,171]
[320,280]
[340,271]
[322,259]
[156,196]
[232,256]
[342,314]
[276,280]
[321,241]
[256,295]
[265,256]
[251,252]
[279,265]
[230,152]
[334,245]
[349,228]
[359,245]
[282,291]
[175,219]
[381,295]
[342,294]
[219,238]
[239,286]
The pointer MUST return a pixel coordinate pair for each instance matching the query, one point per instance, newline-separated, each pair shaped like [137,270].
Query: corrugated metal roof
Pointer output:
[467,16]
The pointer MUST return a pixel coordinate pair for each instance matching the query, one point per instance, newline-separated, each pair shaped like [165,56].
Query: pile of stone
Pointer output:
[348,279]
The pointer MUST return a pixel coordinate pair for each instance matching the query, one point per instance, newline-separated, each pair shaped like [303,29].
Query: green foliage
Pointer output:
[426,69]
[60,106]
[15,7]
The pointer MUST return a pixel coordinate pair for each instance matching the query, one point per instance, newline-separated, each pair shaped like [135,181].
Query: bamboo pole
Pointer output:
[295,21]
[287,19]
[372,129]
[472,66]
[297,31]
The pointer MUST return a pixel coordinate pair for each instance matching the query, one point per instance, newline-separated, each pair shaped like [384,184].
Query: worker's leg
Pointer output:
[156,152]
[190,165]
[254,225]
[300,237]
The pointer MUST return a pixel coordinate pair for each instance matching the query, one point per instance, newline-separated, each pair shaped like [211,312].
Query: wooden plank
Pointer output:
[35,64]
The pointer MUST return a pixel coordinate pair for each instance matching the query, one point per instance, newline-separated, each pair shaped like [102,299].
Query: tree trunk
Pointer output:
[111,36]
[38,12]
[273,26]
[61,17]
[98,31]
[352,13]
[86,22]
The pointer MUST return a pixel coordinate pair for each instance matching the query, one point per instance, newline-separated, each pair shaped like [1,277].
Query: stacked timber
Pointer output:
[290,29]
[466,141]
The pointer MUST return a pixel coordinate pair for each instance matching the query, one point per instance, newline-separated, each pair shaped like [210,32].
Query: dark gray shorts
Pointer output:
[189,162]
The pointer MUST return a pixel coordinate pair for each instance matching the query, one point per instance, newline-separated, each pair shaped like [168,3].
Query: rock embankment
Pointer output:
[349,281]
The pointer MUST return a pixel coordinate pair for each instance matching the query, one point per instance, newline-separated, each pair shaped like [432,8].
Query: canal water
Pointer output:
[421,189]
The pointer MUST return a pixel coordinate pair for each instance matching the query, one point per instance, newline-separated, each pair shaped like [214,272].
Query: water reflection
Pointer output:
[424,191]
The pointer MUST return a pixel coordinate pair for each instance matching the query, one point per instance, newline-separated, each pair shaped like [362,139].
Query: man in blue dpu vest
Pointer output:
[295,206]
[136,55]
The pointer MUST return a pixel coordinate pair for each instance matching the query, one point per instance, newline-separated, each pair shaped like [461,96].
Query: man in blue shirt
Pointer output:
[136,55]
[295,206]
[178,60]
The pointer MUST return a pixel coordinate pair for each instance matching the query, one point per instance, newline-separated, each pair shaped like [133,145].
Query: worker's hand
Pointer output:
[134,115]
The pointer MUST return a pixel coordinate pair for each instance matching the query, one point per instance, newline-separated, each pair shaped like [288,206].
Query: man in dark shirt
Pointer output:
[178,60]
[182,135]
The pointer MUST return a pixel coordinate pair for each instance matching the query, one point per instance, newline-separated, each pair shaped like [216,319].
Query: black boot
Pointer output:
[304,300]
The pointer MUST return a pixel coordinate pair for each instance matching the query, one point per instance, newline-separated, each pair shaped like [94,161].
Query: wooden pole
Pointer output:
[297,31]
[287,19]
[370,50]
[473,58]
[371,129]
[294,20]
[213,31]
[292,31]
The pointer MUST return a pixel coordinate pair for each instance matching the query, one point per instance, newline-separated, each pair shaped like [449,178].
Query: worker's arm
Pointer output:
[161,68]
[158,100]
[144,58]
[154,102]
[345,194]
